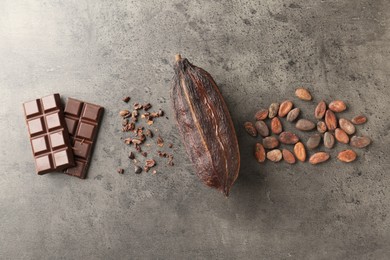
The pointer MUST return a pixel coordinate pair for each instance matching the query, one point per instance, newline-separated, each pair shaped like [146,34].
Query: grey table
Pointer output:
[258,52]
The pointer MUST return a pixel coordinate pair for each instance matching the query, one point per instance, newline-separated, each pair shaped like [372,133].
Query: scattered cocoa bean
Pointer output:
[337,106]
[250,129]
[276,126]
[273,110]
[274,155]
[293,114]
[261,114]
[358,120]
[259,152]
[320,110]
[360,141]
[288,138]
[347,156]
[330,120]
[347,126]
[305,125]
[303,94]
[285,107]
[300,152]
[319,158]
[262,128]
[288,156]
[270,142]
[313,141]
[341,136]
[321,127]
[328,140]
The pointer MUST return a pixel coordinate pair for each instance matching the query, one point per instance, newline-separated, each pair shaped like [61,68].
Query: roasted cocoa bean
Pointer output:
[261,114]
[259,152]
[274,155]
[300,152]
[319,158]
[347,156]
[288,156]
[347,126]
[341,136]
[273,110]
[305,125]
[288,138]
[293,114]
[303,94]
[321,127]
[270,142]
[285,108]
[358,120]
[250,129]
[320,110]
[330,120]
[337,106]
[328,140]
[360,141]
[313,141]
[262,128]
[276,126]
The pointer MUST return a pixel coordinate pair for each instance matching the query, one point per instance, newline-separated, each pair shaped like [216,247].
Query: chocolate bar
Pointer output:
[83,120]
[48,134]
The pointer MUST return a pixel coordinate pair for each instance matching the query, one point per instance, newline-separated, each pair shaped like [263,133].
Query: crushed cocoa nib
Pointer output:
[125,122]
[150,122]
[137,147]
[170,160]
[148,133]
[136,141]
[128,127]
[126,99]
[160,112]
[131,155]
[137,106]
[147,106]
[120,170]
[144,154]
[128,140]
[146,168]
[153,115]
[162,154]
[134,113]
[137,169]
[170,145]
[160,141]
[150,163]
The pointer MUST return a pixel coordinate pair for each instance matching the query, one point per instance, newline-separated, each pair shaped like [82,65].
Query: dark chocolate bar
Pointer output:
[48,134]
[83,121]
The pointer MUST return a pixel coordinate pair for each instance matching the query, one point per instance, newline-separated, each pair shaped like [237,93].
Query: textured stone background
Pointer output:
[258,52]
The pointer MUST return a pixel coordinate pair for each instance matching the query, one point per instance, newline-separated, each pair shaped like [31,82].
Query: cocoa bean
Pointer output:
[262,128]
[305,125]
[337,106]
[274,155]
[270,142]
[341,136]
[273,110]
[347,126]
[328,140]
[276,126]
[259,152]
[313,141]
[321,127]
[360,141]
[288,138]
[250,129]
[330,120]
[320,110]
[347,156]
[285,108]
[288,156]
[300,152]
[360,119]
[319,158]
[303,94]
[293,114]
[261,114]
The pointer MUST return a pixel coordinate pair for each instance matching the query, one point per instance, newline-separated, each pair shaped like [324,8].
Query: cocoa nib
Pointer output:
[137,106]
[126,99]
[131,155]
[160,141]
[150,163]
[147,106]
[120,170]
[137,169]
[148,133]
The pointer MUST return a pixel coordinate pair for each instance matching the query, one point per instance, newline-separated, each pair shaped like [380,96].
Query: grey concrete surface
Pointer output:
[258,52]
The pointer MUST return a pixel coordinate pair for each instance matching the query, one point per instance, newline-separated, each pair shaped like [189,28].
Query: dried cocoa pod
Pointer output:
[293,114]
[288,138]
[337,106]
[270,142]
[319,158]
[262,128]
[328,140]
[358,120]
[360,141]
[285,108]
[250,129]
[320,110]
[288,156]
[341,136]
[330,120]
[205,125]
[300,152]
[303,94]
[273,110]
[347,126]
[259,152]
[274,155]
[305,125]
[347,156]
[321,127]
[261,114]
[276,126]
[313,141]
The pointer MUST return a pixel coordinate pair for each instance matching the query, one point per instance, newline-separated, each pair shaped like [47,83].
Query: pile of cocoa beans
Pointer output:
[329,130]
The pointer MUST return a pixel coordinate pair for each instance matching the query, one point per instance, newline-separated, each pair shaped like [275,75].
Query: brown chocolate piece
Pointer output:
[83,121]
[48,134]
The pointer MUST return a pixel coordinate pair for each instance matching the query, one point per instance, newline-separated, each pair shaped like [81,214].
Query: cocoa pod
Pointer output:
[328,140]
[358,120]
[276,126]
[319,158]
[347,156]
[320,110]
[330,120]
[305,125]
[321,127]
[313,141]
[274,155]
[273,110]
[303,94]
[360,141]
[261,114]
[262,128]
[205,125]
[347,126]
[300,152]
[288,156]
[337,106]
[270,142]
[259,152]
[250,129]
[285,108]
[288,138]
[341,136]
[293,114]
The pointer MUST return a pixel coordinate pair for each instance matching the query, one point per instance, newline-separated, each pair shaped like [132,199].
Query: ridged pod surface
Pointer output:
[205,125]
